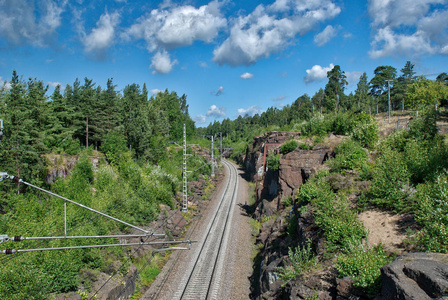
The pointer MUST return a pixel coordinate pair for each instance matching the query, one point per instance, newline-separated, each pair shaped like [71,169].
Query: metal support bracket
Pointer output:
[4,238]
[3,175]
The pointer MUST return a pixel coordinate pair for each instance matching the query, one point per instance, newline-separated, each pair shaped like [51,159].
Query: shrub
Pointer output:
[363,266]
[333,214]
[340,224]
[365,130]
[349,156]
[424,127]
[432,214]
[273,161]
[318,125]
[302,260]
[391,181]
[113,146]
[288,147]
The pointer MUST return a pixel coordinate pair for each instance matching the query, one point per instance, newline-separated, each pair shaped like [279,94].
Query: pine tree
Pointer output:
[362,96]
[334,89]
[379,83]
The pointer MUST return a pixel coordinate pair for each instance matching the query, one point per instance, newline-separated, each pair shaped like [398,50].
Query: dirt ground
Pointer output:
[387,228]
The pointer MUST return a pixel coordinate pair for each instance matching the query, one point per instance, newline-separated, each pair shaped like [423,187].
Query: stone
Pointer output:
[344,287]
[416,276]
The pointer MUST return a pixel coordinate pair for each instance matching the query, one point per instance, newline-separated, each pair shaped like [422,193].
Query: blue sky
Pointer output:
[229,57]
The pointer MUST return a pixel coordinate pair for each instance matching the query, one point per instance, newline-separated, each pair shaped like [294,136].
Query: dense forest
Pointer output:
[139,169]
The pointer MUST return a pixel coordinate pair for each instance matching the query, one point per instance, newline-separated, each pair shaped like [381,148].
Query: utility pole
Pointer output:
[1,129]
[213,161]
[388,95]
[220,149]
[184,175]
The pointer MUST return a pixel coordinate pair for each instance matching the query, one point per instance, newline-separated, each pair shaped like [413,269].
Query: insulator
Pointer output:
[16,179]
[18,238]
[9,251]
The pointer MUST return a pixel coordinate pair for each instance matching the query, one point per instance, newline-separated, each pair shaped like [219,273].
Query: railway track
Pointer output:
[202,270]
[203,275]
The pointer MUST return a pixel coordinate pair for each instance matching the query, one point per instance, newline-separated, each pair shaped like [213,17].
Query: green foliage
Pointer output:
[424,92]
[365,130]
[130,192]
[424,127]
[363,266]
[340,224]
[114,146]
[333,214]
[289,146]
[273,161]
[349,156]
[432,214]
[287,201]
[318,125]
[405,159]
[302,260]
[391,181]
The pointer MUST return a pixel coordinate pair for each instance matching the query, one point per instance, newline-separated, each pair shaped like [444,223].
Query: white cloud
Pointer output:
[217,112]
[353,77]
[317,73]
[408,27]
[268,30]
[161,63]
[203,64]
[251,111]
[247,75]
[389,43]
[155,91]
[173,27]
[325,36]
[219,92]
[200,119]
[21,22]
[348,35]
[55,84]
[4,84]
[102,36]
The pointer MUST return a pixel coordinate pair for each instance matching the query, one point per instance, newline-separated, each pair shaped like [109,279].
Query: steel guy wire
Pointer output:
[90,220]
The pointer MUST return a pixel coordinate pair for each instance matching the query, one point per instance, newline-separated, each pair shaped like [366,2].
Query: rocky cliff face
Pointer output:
[295,168]
[59,166]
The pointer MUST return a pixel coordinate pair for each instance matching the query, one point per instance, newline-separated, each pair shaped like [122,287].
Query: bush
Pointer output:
[340,224]
[114,145]
[273,161]
[333,214]
[318,125]
[302,260]
[391,181]
[349,156]
[432,214]
[288,147]
[365,130]
[424,127]
[363,266]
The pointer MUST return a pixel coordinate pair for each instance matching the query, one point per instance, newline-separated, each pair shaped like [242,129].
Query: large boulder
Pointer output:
[416,276]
